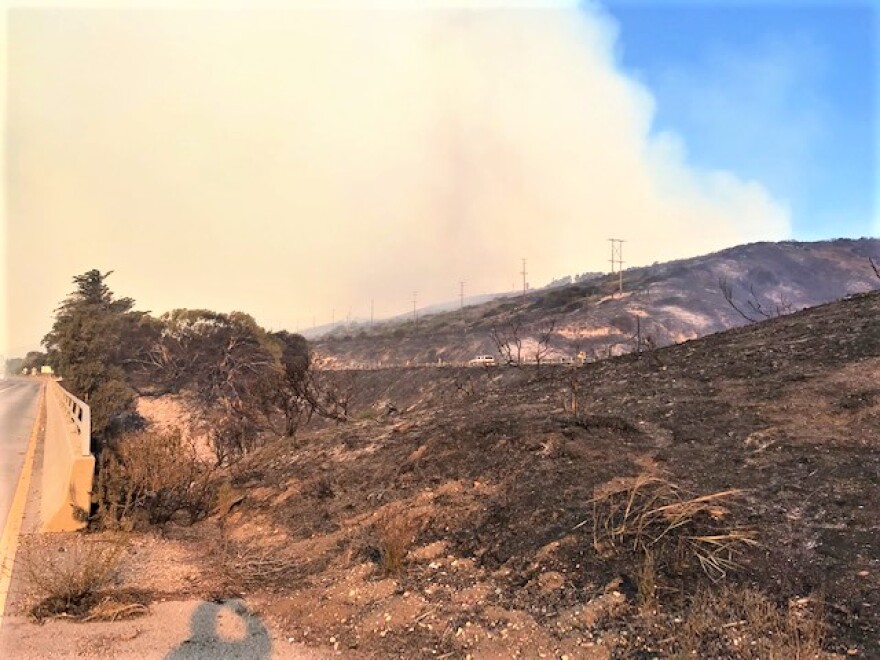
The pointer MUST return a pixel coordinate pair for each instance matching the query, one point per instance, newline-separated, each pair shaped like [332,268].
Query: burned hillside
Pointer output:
[490,488]
[661,304]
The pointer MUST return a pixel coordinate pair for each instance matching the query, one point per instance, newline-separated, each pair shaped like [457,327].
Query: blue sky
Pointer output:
[781,92]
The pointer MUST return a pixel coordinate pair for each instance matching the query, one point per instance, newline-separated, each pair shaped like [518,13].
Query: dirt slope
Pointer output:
[496,472]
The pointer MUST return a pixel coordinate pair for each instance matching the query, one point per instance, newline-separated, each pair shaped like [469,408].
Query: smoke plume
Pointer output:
[292,162]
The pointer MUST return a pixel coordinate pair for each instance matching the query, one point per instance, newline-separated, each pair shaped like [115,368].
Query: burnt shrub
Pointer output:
[150,477]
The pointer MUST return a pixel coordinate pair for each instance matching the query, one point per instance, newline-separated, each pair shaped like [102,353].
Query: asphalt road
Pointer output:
[18,410]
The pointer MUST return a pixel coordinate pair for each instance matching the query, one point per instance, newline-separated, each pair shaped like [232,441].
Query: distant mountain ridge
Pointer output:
[661,304]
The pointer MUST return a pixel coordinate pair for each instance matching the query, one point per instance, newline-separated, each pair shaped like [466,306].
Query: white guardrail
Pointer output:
[68,464]
[79,413]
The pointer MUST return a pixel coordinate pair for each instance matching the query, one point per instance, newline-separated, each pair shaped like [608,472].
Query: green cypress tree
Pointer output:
[88,347]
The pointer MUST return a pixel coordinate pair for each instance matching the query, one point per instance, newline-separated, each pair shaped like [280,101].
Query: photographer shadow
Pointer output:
[205,642]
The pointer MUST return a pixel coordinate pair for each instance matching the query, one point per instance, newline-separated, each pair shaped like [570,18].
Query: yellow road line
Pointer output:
[12,528]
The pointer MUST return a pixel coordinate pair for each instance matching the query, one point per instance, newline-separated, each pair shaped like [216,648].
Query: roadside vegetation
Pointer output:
[78,579]
[242,387]
[241,383]
[151,478]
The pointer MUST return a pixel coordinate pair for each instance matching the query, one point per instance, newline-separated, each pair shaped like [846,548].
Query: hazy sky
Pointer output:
[294,163]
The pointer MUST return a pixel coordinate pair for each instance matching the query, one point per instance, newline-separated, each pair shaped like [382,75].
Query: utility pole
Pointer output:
[372,301]
[461,295]
[617,260]
[523,272]
[415,317]
[332,315]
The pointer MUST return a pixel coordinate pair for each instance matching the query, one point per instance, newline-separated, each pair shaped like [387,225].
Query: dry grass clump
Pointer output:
[73,579]
[648,514]
[646,582]
[247,566]
[396,531]
[741,622]
[150,477]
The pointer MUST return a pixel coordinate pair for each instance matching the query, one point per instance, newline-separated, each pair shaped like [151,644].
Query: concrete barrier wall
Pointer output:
[68,464]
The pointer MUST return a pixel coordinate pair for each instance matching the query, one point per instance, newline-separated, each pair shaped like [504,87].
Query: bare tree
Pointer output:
[330,394]
[507,338]
[545,334]
[290,398]
[752,309]
[875,267]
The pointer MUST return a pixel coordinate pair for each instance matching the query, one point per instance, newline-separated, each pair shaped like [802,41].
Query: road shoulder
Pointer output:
[24,511]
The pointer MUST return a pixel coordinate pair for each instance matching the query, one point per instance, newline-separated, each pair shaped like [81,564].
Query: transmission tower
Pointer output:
[617,261]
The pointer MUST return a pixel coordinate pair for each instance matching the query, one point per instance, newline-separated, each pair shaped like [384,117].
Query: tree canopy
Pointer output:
[242,381]
[90,345]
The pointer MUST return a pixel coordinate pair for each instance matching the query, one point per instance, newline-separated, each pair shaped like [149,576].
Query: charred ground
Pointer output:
[497,470]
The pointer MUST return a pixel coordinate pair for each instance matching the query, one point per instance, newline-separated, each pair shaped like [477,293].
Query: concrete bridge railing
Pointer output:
[68,462]
[80,415]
